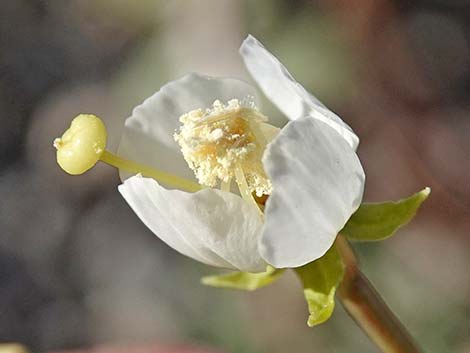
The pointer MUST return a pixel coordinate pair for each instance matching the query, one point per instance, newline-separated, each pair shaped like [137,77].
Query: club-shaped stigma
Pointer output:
[83,144]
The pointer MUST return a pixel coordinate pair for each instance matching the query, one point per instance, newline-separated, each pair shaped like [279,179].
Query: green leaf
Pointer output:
[243,280]
[377,221]
[320,279]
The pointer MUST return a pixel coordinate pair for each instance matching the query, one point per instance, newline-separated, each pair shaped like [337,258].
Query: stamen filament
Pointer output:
[225,185]
[162,177]
[243,187]
[259,135]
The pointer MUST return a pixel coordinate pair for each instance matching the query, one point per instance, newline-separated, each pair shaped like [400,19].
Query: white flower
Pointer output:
[311,166]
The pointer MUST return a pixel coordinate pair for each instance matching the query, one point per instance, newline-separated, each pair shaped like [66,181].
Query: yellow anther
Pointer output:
[82,145]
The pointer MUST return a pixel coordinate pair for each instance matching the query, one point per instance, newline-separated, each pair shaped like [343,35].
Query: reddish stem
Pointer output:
[368,310]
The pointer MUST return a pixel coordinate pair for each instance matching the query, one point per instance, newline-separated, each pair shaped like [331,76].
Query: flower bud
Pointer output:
[82,145]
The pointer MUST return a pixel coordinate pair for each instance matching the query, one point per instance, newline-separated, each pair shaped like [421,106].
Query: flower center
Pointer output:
[225,143]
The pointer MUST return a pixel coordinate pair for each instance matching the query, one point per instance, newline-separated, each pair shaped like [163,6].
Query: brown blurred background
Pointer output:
[77,268]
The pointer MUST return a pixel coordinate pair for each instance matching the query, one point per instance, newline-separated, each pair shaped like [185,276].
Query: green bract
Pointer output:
[320,279]
[377,221]
[243,280]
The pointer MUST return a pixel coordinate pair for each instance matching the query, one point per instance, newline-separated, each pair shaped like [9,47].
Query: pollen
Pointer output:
[226,142]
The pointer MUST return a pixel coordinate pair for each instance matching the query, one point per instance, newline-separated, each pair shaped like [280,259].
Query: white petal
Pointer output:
[211,226]
[148,133]
[318,184]
[285,92]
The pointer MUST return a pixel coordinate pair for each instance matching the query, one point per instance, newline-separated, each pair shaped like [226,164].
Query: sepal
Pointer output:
[377,221]
[320,279]
[243,280]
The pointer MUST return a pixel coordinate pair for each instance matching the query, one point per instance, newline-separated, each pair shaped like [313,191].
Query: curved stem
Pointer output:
[367,308]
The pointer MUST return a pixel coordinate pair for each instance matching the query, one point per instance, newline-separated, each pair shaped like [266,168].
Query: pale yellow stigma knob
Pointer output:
[82,145]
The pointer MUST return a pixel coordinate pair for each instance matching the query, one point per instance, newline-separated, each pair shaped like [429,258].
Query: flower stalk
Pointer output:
[367,308]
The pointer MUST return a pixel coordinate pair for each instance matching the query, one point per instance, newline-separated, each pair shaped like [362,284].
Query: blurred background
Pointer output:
[77,268]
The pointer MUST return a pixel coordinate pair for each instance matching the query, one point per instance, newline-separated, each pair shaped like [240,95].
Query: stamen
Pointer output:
[226,185]
[243,187]
[217,141]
